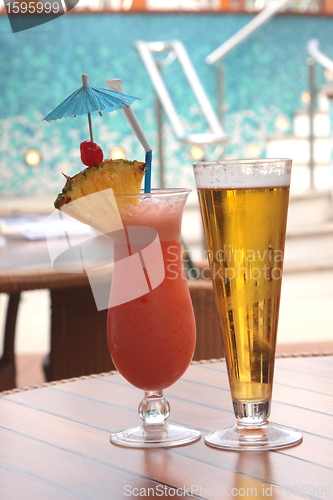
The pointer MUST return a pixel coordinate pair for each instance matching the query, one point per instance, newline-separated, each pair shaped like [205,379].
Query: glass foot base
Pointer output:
[156,436]
[264,437]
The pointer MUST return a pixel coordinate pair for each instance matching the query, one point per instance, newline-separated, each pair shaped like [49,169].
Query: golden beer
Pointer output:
[244,207]
[245,236]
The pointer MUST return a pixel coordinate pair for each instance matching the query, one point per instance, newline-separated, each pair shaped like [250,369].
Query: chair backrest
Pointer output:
[209,339]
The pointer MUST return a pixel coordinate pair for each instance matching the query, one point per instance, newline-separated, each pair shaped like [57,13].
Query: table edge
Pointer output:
[115,372]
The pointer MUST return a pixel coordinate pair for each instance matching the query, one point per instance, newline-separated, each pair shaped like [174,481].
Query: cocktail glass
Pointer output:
[152,337]
[244,206]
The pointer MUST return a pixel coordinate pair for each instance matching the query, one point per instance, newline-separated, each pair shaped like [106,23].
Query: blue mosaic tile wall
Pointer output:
[264,79]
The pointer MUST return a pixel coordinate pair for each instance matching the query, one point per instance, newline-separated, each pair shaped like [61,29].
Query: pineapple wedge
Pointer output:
[89,196]
[123,176]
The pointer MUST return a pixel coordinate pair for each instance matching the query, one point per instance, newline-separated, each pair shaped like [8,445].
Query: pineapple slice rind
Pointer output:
[123,176]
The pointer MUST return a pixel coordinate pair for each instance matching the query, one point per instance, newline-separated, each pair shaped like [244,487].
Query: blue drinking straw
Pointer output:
[148,159]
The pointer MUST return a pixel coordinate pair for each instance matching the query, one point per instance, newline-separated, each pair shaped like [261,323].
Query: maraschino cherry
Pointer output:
[91,153]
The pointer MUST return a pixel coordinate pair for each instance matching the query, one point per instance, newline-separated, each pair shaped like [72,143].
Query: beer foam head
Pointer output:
[240,174]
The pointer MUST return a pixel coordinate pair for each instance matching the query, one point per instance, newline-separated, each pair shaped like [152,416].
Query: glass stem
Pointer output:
[252,414]
[154,409]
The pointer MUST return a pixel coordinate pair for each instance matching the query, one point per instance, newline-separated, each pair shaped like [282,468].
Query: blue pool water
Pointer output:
[264,79]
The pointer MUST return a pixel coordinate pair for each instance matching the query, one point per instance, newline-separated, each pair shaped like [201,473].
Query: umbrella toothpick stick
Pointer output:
[90,128]
[85,83]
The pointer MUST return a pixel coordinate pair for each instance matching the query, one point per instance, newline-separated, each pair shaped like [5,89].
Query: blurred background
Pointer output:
[265,86]
[266,71]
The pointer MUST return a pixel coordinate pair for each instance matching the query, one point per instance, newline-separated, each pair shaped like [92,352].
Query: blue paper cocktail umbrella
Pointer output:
[89,100]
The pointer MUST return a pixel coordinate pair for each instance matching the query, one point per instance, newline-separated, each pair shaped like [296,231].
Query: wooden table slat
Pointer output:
[57,439]
[180,467]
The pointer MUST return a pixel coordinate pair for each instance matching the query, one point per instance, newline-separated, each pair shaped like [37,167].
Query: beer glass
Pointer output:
[244,206]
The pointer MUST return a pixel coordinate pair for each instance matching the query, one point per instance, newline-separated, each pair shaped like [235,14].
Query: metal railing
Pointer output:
[238,38]
[318,56]
[176,51]
[256,23]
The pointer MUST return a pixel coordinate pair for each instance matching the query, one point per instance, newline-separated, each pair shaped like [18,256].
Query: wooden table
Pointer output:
[54,441]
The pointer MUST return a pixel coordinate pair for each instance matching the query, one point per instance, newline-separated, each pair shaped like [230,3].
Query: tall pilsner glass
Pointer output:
[244,206]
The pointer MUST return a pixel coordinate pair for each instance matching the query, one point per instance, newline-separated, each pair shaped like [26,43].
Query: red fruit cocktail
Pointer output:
[152,337]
